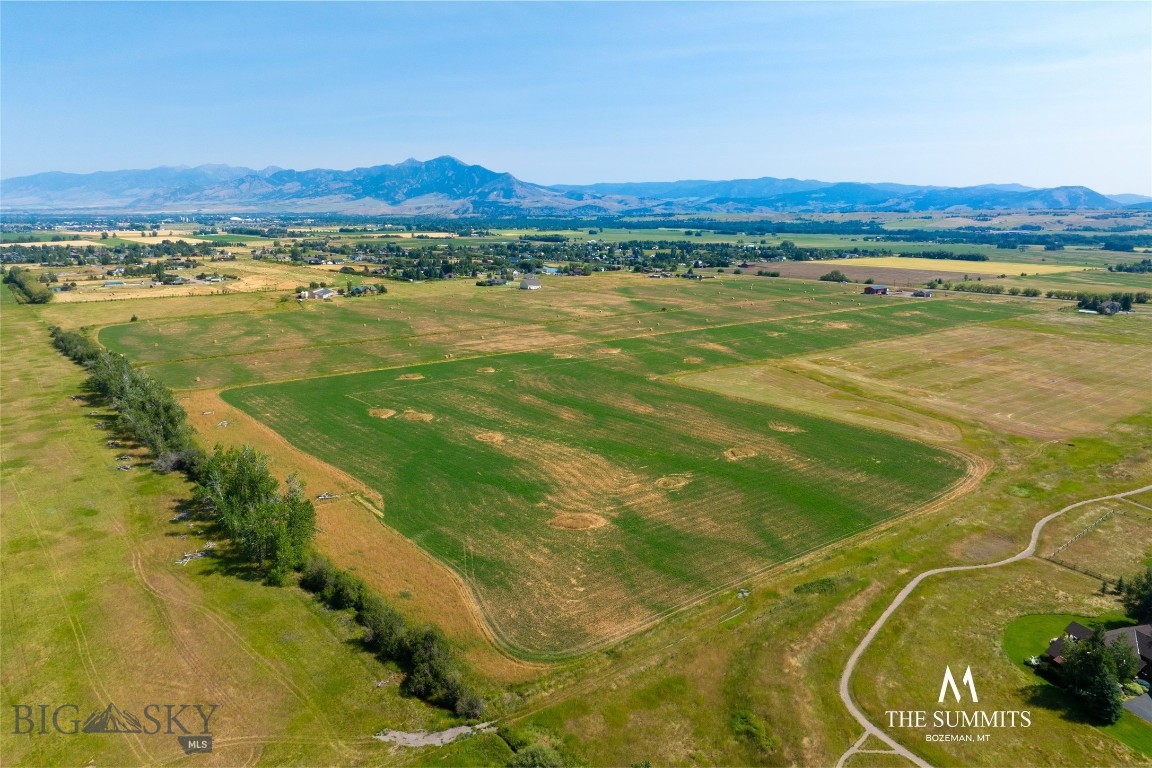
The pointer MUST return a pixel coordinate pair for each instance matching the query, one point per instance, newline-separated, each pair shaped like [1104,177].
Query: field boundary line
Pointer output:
[854,659]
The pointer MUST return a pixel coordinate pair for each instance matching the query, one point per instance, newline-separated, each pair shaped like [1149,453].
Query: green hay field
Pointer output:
[581,501]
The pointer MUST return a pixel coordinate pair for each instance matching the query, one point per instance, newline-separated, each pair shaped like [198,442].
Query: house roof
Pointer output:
[530,281]
[1074,630]
[1139,639]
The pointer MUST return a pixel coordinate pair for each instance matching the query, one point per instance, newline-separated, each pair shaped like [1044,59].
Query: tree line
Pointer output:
[1139,267]
[26,287]
[271,527]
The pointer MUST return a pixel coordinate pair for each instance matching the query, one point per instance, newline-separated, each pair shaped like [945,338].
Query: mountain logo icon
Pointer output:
[112,720]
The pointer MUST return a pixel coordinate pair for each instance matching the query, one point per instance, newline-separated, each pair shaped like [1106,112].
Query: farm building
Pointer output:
[319,293]
[922,294]
[529,284]
[876,289]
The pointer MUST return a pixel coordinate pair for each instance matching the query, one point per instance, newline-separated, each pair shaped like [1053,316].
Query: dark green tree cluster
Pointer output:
[949,255]
[271,528]
[26,288]
[145,408]
[434,673]
[1139,267]
[1136,596]
[835,276]
[1093,671]
[1139,297]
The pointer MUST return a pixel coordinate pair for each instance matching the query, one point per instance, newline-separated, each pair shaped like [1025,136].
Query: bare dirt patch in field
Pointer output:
[382,413]
[410,377]
[563,355]
[673,482]
[693,360]
[416,416]
[486,369]
[735,454]
[780,426]
[580,521]
[837,325]
[489,437]
[609,351]
[909,313]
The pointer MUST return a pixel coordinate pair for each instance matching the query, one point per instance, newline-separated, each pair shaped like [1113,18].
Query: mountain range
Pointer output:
[447,186]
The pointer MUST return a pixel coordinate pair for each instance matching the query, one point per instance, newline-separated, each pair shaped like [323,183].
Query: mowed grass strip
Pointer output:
[582,501]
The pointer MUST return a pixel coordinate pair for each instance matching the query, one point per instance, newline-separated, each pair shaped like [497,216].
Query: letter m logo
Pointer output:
[950,684]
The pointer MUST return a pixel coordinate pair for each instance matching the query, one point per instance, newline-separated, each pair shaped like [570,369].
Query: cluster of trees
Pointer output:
[271,528]
[1095,671]
[145,408]
[433,671]
[1140,267]
[26,287]
[1139,297]
[949,255]
[835,276]
[119,253]
[982,288]
[1136,596]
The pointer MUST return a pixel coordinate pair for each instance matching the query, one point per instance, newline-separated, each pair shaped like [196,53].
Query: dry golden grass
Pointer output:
[948,265]
[1017,381]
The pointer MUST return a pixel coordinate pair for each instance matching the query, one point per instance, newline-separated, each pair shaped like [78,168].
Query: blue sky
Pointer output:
[1037,93]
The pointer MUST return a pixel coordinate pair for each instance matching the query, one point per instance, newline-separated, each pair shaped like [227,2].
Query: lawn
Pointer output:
[1029,636]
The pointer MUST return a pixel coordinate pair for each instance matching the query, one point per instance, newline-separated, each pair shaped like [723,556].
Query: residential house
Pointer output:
[1138,638]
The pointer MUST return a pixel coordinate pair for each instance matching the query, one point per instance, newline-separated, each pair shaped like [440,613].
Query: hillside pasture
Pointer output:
[582,502]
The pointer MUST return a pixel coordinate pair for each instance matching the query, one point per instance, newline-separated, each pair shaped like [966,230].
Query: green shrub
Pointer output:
[536,756]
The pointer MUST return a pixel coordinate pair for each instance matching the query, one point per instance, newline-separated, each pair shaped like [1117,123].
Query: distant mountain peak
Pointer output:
[446,185]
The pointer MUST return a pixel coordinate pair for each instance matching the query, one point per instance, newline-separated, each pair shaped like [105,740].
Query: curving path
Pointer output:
[846,677]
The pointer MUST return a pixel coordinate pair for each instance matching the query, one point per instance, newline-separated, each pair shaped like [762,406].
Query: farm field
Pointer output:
[1011,379]
[582,501]
[617,453]
[671,324]
[95,610]
[949,265]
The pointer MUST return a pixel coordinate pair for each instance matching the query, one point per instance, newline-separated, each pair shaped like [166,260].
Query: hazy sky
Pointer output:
[1038,93]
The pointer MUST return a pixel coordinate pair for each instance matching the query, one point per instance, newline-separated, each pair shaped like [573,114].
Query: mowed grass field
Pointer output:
[1019,379]
[717,321]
